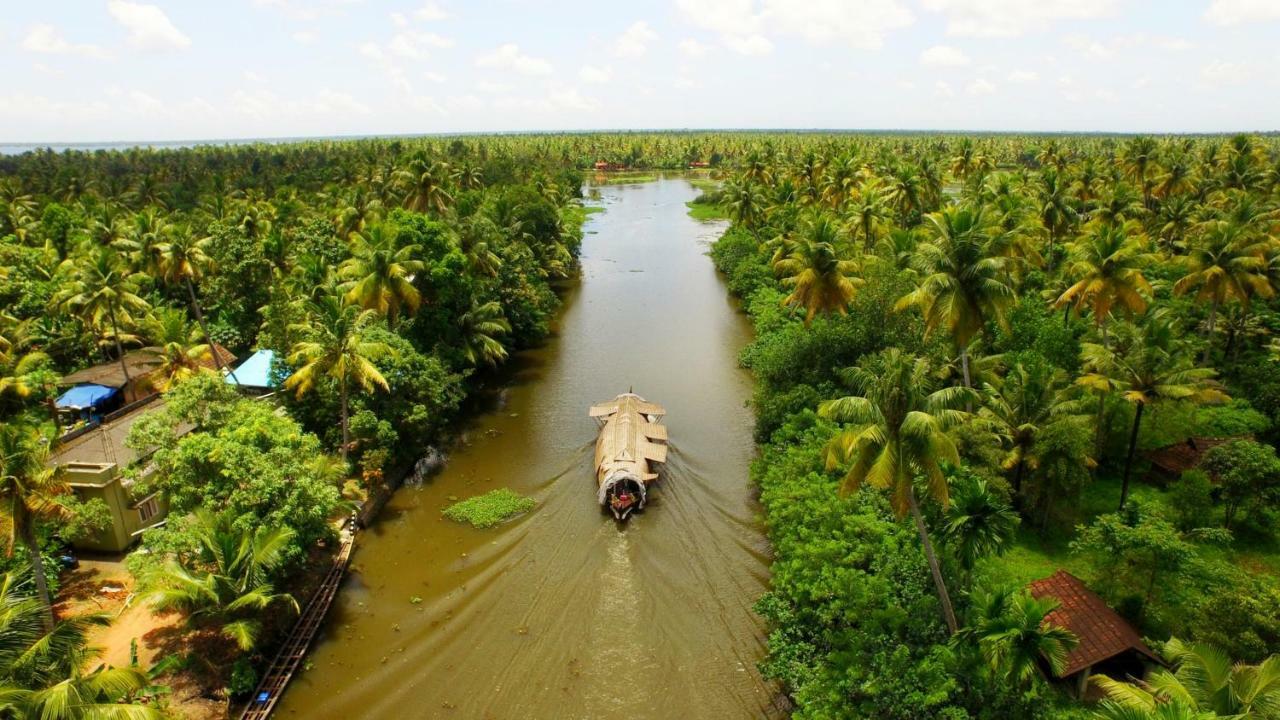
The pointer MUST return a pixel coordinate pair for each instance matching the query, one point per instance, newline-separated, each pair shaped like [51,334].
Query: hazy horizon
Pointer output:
[118,71]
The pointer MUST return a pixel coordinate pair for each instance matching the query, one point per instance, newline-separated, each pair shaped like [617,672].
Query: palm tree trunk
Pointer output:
[27,531]
[1128,462]
[1208,331]
[204,328]
[947,611]
[968,381]
[1017,479]
[115,335]
[345,436]
[1099,425]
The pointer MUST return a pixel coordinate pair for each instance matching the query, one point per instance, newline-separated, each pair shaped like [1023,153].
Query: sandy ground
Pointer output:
[103,584]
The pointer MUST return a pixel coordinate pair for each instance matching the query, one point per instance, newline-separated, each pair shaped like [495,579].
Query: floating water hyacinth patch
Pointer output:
[492,508]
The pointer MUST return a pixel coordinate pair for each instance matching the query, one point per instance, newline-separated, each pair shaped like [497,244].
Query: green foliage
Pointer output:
[244,679]
[492,508]
[84,518]
[1191,499]
[244,458]
[1138,555]
[1248,474]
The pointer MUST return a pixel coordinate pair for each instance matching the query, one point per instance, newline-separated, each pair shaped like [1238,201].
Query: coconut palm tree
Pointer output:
[43,670]
[475,236]
[895,430]
[379,273]
[1224,263]
[1148,364]
[226,579]
[745,203]
[1106,264]
[869,213]
[181,350]
[979,523]
[1203,683]
[102,289]
[339,349]
[184,259]
[965,279]
[29,490]
[1138,160]
[1018,407]
[424,181]
[481,326]
[1013,635]
[819,279]
[1056,210]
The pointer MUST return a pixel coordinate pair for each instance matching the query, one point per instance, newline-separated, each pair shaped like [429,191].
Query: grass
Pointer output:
[1037,554]
[492,508]
[623,178]
[592,209]
[706,211]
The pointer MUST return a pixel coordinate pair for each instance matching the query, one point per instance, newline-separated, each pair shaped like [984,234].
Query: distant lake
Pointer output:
[20,148]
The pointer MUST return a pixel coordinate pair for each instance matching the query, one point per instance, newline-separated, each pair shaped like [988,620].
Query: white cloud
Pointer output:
[943,56]
[570,99]
[1089,48]
[46,39]
[943,89]
[508,57]
[399,20]
[981,86]
[330,101]
[1140,42]
[431,12]
[413,45]
[253,77]
[693,48]
[1023,76]
[304,37]
[1235,12]
[464,103]
[1222,72]
[435,77]
[593,74]
[1009,18]
[858,23]
[749,44]
[634,41]
[149,28]
[492,88]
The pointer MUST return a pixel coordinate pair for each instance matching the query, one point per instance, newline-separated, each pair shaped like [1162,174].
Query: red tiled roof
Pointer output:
[1102,633]
[1183,456]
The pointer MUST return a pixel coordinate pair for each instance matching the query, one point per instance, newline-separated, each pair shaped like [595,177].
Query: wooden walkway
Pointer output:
[286,662]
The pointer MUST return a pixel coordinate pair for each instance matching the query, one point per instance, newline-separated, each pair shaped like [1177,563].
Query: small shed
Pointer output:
[1169,462]
[1107,643]
[254,374]
[87,397]
[141,363]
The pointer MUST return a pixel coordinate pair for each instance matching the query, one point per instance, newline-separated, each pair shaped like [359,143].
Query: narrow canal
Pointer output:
[563,613]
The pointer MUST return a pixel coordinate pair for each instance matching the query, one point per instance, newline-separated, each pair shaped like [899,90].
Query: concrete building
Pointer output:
[94,459]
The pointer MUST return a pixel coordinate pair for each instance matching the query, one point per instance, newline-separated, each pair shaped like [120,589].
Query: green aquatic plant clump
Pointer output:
[492,508]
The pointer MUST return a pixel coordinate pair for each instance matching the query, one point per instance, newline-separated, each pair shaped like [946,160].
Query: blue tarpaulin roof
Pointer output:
[85,396]
[255,371]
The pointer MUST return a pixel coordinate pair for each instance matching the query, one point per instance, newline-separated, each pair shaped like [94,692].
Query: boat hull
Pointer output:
[631,445]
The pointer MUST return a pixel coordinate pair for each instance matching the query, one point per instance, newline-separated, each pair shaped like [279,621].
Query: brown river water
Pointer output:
[564,613]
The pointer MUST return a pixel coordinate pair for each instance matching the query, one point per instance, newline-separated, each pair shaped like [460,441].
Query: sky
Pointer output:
[137,70]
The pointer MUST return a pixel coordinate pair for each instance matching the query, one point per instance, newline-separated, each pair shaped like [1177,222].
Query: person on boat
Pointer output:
[622,500]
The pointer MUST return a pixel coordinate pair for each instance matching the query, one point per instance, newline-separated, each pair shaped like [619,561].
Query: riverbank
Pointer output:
[537,617]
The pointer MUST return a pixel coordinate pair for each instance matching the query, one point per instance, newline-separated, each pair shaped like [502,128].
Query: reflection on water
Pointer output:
[564,613]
